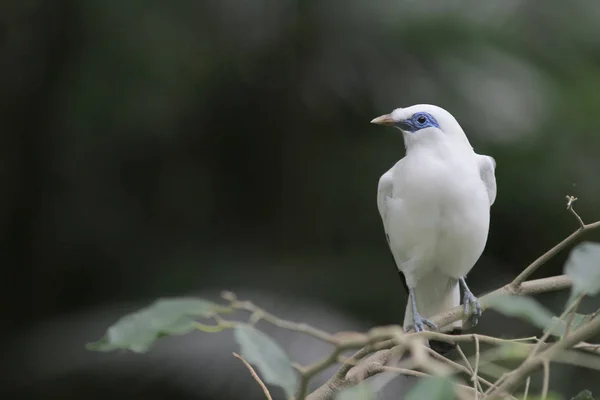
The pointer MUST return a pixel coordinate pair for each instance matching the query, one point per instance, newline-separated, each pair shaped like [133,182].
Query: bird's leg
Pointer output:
[418,321]
[471,303]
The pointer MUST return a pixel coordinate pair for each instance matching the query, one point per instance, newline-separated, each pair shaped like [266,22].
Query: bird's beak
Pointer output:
[384,120]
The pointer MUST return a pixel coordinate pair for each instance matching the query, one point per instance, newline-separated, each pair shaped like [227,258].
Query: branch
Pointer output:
[339,380]
[570,201]
[386,341]
[573,312]
[410,372]
[354,340]
[543,285]
[258,313]
[254,375]
[530,365]
[462,368]
[556,249]
[526,388]
[546,382]
[571,308]
[476,369]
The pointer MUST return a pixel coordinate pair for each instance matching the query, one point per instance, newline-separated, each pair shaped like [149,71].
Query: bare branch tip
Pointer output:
[229,296]
[570,201]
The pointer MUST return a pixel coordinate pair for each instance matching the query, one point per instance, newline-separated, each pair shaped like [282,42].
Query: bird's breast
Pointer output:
[440,212]
[441,178]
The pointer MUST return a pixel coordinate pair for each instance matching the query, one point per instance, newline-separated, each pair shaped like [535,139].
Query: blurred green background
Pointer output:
[179,148]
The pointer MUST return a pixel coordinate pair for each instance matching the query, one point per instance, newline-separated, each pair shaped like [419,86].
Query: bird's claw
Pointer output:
[420,322]
[472,307]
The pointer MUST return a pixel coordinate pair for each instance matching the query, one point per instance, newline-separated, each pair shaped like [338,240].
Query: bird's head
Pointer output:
[424,123]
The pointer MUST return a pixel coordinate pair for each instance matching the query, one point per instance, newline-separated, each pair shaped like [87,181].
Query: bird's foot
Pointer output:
[420,322]
[472,307]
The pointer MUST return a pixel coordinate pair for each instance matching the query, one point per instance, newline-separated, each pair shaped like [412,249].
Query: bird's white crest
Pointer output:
[435,207]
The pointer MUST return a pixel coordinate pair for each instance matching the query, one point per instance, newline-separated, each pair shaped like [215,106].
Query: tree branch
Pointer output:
[254,375]
[339,380]
[556,249]
[526,388]
[258,313]
[530,365]
[546,382]
[462,368]
[543,285]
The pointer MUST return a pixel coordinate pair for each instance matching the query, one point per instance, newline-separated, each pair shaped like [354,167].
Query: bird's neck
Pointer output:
[442,147]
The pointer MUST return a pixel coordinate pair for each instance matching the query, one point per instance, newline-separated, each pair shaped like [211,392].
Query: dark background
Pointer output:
[156,149]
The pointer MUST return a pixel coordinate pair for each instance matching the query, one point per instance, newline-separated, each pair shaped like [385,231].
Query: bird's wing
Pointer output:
[487,167]
[385,190]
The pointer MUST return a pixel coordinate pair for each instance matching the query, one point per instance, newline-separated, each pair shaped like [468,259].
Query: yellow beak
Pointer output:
[384,120]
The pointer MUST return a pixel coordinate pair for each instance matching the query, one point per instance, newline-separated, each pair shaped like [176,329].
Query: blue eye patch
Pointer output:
[418,121]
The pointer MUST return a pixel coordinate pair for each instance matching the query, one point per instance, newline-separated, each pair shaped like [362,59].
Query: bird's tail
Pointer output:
[435,294]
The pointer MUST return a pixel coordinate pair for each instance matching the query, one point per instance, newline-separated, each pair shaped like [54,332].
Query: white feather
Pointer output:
[487,167]
[435,208]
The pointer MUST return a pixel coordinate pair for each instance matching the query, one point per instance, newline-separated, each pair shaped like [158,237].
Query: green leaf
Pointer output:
[165,317]
[583,267]
[522,307]
[583,395]
[362,391]
[432,388]
[557,327]
[273,364]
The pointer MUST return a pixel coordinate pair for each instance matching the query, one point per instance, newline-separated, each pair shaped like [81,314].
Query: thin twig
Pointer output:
[453,339]
[573,312]
[345,342]
[590,347]
[409,372]
[546,382]
[403,371]
[527,382]
[254,375]
[308,372]
[423,360]
[548,332]
[556,249]
[258,314]
[476,370]
[476,384]
[550,353]
[496,385]
[488,358]
[461,368]
[570,201]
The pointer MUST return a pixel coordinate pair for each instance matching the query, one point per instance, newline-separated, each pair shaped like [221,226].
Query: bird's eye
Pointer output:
[421,119]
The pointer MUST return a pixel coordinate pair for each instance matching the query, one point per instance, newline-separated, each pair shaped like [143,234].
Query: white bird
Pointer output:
[435,207]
